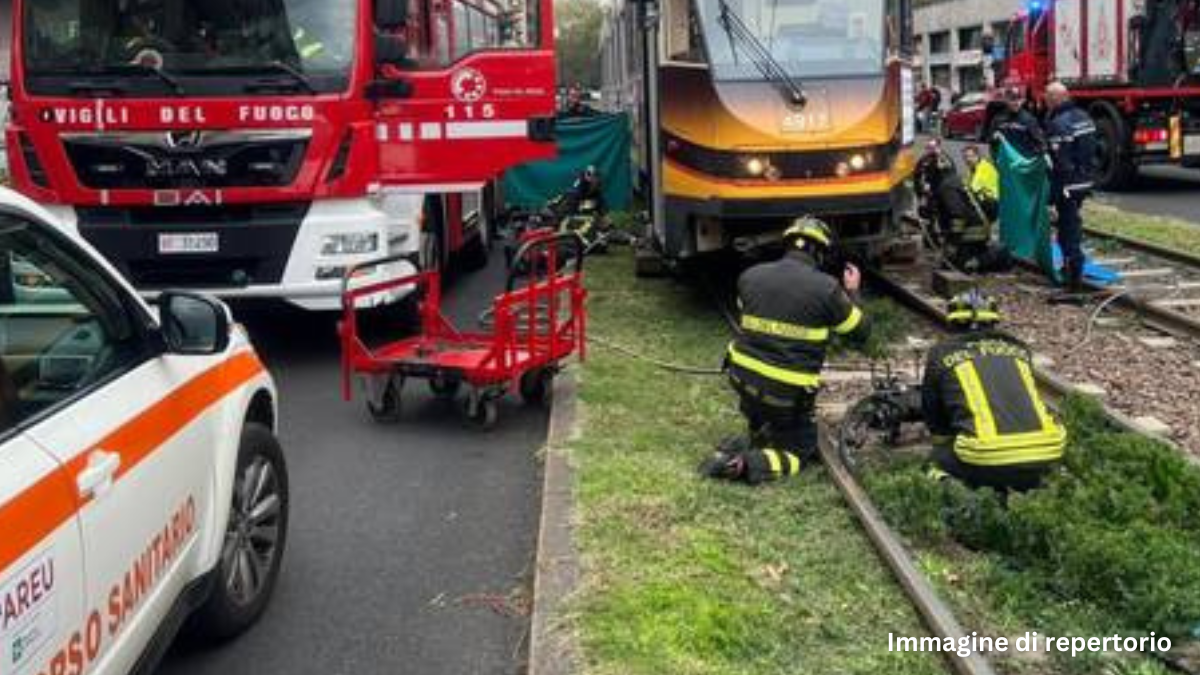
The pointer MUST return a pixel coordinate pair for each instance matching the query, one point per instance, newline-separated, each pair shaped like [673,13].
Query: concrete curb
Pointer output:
[551,645]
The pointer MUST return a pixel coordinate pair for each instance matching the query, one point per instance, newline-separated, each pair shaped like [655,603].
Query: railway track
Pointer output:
[924,303]
[937,615]
[1159,284]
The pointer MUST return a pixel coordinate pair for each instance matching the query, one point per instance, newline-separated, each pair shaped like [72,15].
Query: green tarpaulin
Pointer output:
[1024,207]
[599,140]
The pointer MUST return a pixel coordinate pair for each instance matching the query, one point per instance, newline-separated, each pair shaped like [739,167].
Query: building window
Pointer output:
[940,76]
[970,38]
[939,43]
[970,78]
[1000,30]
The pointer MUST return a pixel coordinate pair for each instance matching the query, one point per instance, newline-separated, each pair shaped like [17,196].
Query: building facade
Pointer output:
[949,36]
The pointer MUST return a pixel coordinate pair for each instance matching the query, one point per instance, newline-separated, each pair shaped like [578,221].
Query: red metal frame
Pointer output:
[524,336]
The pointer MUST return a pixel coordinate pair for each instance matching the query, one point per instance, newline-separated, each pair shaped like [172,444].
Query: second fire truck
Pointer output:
[1133,64]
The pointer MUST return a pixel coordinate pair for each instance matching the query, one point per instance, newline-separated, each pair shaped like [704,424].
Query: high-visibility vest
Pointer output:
[307,46]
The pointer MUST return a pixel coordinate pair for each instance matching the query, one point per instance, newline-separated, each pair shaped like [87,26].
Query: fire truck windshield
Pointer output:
[172,47]
[810,39]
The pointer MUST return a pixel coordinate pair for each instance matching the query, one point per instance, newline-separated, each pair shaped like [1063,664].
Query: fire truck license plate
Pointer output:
[196,242]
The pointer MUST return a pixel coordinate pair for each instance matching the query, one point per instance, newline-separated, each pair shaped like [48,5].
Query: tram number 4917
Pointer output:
[471,111]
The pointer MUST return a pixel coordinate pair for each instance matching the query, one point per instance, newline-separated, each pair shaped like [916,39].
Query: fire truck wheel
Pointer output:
[536,386]
[444,388]
[482,411]
[384,408]
[255,537]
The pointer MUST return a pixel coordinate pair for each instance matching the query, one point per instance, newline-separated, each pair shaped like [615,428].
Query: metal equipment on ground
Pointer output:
[534,327]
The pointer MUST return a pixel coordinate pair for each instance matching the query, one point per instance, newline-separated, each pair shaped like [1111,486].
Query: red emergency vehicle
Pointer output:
[1134,65]
[262,147]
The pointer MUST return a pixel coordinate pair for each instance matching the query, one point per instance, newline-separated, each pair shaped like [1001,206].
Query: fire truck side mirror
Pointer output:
[391,15]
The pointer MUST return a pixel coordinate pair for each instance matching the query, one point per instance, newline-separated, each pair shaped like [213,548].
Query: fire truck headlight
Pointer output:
[858,162]
[755,166]
[842,169]
[353,243]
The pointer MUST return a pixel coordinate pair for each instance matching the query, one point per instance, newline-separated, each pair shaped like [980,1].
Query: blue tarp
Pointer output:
[599,140]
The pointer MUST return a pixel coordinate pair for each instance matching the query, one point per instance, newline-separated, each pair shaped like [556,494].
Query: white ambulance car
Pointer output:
[141,483]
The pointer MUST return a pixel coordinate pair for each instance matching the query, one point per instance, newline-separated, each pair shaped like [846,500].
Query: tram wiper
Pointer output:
[760,56]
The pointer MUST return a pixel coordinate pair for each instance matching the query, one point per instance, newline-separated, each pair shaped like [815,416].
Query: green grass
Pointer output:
[683,576]
[1168,232]
[1108,546]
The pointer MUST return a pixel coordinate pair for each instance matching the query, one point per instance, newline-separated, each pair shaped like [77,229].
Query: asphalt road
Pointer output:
[1159,191]
[405,540]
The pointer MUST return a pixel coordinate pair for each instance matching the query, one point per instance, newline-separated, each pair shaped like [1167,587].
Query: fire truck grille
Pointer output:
[253,243]
[181,160]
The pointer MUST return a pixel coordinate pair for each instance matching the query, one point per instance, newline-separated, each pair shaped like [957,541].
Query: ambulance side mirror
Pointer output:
[194,324]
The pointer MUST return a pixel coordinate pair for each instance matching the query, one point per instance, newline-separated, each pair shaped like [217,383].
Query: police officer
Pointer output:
[790,310]
[981,404]
[1072,137]
[1018,126]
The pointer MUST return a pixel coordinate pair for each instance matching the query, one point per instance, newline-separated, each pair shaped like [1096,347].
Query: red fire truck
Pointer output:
[1135,65]
[261,147]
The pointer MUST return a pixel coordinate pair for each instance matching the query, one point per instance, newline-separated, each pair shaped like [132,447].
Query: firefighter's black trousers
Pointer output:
[784,423]
[1015,478]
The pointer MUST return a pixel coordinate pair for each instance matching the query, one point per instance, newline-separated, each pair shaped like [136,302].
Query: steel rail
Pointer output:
[1143,246]
[937,615]
[1162,318]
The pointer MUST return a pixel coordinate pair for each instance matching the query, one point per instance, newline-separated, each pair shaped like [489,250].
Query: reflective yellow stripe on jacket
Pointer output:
[853,321]
[988,447]
[784,329]
[772,372]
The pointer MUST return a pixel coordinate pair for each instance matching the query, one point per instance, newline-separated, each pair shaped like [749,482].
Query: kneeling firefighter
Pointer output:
[981,404]
[790,309]
[962,224]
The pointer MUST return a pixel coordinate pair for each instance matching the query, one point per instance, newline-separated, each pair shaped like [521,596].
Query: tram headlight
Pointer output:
[858,162]
[756,167]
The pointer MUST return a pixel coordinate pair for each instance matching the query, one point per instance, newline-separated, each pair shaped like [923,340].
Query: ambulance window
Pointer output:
[64,327]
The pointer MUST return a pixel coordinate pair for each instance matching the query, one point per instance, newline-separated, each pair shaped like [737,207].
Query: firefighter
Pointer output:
[790,310]
[981,404]
[983,180]
[1072,138]
[963,227]
[308,46]
[1018,126]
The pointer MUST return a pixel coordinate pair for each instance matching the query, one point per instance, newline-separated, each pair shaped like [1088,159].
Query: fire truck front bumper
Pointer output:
[294,252]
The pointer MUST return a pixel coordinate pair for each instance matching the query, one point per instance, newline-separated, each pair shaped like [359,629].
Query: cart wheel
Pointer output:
[483,412]
[387,409]
[445,389]
[536,387]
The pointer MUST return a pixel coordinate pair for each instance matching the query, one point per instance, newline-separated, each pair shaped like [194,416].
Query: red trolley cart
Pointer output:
[534,326]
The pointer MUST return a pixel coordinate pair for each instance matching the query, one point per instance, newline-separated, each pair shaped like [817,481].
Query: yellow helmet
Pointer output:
[972,308]
[808,228]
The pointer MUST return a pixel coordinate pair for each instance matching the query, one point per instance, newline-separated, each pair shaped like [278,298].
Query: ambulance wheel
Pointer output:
[482,412]
[536,387]
[445,389]
[255,537]
[386,410]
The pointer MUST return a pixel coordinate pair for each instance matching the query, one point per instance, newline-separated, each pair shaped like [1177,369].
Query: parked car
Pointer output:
[967,117]
[141,482]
